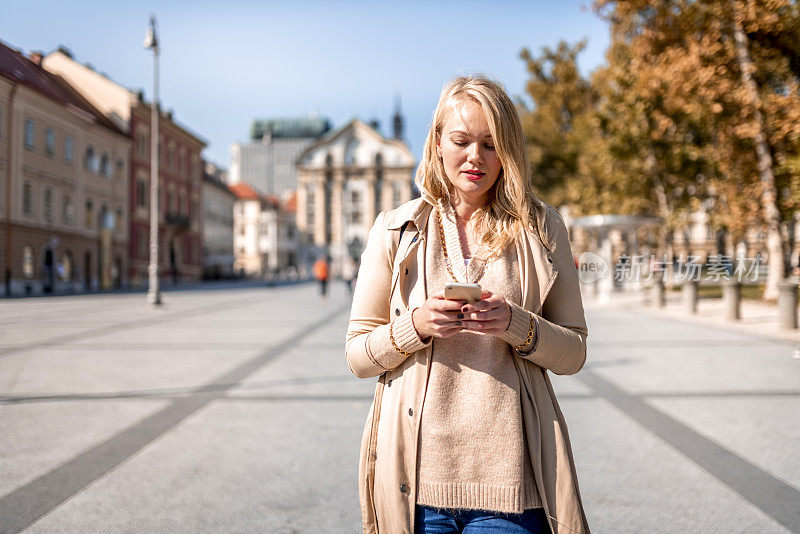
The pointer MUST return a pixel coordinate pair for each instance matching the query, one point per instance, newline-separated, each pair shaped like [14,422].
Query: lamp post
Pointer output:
[153,292]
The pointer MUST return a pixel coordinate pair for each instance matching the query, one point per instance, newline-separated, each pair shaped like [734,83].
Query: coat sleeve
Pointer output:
[368,347]
[560,332]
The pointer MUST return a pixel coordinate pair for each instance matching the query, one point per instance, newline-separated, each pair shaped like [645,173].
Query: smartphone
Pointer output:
[466,292]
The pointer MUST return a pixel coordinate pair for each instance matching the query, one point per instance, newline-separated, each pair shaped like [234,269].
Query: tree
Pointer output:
[726,74]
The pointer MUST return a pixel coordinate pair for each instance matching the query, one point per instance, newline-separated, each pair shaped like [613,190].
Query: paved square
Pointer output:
[232,410]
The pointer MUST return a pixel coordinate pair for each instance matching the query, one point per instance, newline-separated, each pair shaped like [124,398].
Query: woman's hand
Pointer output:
[438,317]
[490,315]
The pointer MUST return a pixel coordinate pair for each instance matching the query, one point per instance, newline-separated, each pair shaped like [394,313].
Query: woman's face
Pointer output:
[467,151]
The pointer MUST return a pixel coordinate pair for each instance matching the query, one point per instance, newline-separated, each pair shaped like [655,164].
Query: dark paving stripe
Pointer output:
[313,398]
[171,393]
[774,497]
[167,393]
[20,508]
[626,344]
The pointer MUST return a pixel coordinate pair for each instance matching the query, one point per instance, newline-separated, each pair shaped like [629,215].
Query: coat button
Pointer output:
[397,311]
[410,411]
[406,271]
[403,488]
[549,259]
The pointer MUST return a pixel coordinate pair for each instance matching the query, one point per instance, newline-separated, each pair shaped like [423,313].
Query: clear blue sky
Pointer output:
[226,63]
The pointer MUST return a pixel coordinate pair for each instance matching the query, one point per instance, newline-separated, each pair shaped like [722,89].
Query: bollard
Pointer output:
[787,304]
[658,294]
[690,295]
[732,299]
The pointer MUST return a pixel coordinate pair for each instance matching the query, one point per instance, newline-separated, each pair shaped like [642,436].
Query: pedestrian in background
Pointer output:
[491,452]
[349,269]
[321,274]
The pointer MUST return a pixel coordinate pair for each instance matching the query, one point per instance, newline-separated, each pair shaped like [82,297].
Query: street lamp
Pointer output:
[153,292]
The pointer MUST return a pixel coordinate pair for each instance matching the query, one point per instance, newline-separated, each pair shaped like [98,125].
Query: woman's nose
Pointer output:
[474,153]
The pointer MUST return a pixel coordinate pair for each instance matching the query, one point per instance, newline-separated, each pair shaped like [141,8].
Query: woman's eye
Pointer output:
[459,143]
[490,147]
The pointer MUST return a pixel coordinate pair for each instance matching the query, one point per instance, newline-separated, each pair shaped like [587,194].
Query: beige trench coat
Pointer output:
[390,284]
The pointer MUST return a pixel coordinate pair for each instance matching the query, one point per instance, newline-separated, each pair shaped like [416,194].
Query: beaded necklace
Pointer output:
[447,256]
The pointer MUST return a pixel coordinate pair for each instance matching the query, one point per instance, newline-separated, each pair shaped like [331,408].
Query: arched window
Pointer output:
[105,165]
[350,152]
[90,161]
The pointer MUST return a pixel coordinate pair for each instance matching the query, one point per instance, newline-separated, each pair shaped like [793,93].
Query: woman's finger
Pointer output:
[445,305]
[482,305]
[495,314]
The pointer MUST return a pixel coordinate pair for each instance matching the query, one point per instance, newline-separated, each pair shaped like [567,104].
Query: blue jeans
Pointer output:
[429,520]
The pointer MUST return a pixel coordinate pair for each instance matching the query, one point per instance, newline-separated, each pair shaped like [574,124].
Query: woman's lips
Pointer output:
[474,175]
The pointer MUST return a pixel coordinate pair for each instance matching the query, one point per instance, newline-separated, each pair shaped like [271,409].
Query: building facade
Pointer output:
[267,161]
[344,180]
[64,182]
[180,174]
[218,204]
[265,235]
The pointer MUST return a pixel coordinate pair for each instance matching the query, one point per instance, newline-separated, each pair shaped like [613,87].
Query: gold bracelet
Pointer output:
[394,343]
[530,335]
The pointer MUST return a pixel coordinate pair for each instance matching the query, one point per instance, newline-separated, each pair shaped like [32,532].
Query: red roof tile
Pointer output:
[290,205]
[244,191]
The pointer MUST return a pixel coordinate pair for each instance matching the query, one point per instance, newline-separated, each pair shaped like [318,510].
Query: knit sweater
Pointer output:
[473,453]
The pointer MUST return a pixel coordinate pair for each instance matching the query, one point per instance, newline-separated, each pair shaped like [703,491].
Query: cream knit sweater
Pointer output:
[473,453]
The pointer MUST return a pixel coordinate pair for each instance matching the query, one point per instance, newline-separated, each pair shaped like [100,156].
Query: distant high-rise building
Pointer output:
[267,161]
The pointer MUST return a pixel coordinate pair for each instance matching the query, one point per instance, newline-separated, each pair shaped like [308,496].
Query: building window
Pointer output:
[141,242]
[30,133]
[49,141]
[120,168]
[397,195]
[27,262]
[27,199]
[105,165]
[118,220]
[48,205]
[194,214]
[141,193]
[89,214]
[68,214]
[141,144]
[68,149]
[90,161]
[310,208]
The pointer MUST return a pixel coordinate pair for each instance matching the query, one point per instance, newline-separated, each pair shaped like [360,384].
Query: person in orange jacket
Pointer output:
[321,274]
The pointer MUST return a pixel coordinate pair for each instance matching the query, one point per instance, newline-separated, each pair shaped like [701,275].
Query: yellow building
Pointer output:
[63,185]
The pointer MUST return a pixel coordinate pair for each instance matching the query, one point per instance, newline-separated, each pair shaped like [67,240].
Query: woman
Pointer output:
[464,430]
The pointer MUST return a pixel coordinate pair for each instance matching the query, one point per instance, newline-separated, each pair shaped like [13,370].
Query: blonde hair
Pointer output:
[512,204]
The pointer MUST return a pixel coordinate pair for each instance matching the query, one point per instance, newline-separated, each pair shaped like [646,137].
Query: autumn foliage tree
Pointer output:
[697,104]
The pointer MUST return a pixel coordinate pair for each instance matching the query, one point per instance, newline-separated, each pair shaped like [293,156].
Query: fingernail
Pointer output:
[460,316]
[464,309]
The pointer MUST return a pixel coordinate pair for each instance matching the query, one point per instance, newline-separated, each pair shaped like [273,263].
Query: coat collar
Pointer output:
[538,268]
[415,211]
